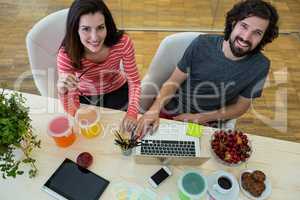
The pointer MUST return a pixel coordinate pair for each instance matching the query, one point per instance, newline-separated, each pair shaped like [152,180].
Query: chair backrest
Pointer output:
[43,42]
[165,60]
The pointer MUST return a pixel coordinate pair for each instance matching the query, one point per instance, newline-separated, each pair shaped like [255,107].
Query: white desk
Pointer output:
[280,160]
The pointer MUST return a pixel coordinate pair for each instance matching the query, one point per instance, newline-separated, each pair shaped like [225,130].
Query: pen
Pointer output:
[84,72]
[132,133]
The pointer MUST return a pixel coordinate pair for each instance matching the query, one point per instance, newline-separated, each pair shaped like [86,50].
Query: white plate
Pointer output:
[266,193]
[224,162]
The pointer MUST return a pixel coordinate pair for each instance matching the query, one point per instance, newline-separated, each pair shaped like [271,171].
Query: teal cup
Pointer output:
[192,185]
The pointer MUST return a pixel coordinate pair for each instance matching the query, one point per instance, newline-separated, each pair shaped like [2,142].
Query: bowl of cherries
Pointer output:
[230,148]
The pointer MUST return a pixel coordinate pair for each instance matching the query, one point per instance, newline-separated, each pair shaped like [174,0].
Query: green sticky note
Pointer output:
[194,130]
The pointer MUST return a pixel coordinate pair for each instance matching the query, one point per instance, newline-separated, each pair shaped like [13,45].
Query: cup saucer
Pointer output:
[232,195]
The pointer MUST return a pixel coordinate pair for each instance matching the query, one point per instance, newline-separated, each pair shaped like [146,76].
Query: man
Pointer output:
[218,76]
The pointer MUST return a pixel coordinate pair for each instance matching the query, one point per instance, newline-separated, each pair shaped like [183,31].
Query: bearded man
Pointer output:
[219,75]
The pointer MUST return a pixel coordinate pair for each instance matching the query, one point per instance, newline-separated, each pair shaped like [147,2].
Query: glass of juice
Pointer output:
[88,120]
[60,129]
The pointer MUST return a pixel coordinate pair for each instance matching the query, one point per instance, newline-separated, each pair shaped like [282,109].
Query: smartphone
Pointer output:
[159,176]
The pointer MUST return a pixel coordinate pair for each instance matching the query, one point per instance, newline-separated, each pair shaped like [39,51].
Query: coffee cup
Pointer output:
[192,186]
[223,182]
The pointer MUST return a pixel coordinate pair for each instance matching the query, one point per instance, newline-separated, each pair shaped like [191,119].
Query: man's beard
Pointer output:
[239,52]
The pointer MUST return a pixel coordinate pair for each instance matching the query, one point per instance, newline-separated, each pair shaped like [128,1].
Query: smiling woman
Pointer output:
[92,33]
[89,63]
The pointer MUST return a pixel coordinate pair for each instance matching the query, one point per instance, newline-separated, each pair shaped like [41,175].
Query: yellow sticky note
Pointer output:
[194,130]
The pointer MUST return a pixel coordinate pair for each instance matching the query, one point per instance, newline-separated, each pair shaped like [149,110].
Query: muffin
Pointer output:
[257,189]
[258,176]
[246,175]
[248,183]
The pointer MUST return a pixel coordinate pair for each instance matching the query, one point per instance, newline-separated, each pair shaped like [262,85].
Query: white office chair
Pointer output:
[165,60]
[43,42]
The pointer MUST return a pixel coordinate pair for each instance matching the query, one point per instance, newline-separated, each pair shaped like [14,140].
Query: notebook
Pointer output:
[170,144]
[72,182]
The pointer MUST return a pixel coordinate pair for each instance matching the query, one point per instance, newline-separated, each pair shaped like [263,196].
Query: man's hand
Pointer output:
[148,122]
[195,118]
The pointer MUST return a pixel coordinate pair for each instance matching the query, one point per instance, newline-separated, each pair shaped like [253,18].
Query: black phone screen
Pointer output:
[159,176]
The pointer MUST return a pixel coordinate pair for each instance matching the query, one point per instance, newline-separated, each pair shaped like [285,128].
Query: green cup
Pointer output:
[192,186]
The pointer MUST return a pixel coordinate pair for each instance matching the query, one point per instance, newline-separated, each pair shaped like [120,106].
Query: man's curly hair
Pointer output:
[258,8]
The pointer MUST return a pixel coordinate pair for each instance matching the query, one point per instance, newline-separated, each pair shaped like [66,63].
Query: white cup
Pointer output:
[224,182]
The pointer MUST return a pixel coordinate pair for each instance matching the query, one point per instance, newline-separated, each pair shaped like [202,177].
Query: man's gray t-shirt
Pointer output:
[215,81]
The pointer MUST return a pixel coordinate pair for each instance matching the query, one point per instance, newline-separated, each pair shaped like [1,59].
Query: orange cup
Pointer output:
[60,129]
[88,120]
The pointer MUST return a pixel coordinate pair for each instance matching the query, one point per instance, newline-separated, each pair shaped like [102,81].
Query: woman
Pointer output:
[89,63]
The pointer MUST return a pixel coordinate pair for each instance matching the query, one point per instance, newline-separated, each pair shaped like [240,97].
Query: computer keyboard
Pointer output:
[168,148]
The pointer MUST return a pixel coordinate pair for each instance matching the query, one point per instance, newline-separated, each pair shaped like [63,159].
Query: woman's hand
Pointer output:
[66,83]
[128,124]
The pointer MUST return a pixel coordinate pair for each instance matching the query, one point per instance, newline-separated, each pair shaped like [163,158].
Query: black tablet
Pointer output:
[72,182]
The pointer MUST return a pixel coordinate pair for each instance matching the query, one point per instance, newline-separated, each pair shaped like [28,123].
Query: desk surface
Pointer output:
[280,160]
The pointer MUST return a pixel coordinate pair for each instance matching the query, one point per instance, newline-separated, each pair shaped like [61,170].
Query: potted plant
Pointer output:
[126,144]
[16,134]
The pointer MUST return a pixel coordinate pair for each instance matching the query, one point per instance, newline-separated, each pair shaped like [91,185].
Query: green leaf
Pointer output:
[20,172]
[3,149]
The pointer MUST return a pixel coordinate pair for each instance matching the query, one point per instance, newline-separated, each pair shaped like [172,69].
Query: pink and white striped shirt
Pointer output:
[103,77]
